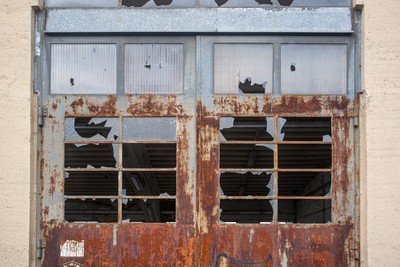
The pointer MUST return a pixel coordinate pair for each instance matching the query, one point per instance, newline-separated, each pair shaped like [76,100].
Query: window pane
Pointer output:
[246,184]
[91,155]
[83,69]
[91,128]
[149,184]
[154,129]
[246,129]
[243,68]
[154,68]
[304,183]
[246,156]
[246,211]
[91,183]
[148,210]
[149,156]
[304,156]
[314,69]
[304,211]
[91,210]
[304,129]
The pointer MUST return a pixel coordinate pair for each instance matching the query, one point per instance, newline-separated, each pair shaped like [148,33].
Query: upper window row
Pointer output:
[238,68]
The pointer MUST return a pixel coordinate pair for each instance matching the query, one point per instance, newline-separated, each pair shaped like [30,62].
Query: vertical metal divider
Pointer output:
[276,135]
[120,147]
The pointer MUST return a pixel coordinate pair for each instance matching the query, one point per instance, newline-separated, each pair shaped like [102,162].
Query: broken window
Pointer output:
[154,68]
[243,68]
[120,169]
[275,169]
[83,69]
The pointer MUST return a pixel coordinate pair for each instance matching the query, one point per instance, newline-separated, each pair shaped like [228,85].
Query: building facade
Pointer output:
[277,146]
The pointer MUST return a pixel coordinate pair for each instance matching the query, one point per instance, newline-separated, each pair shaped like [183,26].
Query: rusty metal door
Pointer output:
[277,241]
[196,236]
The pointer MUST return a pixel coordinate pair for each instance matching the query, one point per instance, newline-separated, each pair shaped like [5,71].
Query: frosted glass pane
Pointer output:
[154,68]
[91,128]
[314,69]
[243,68]
[83,69]
[149,129]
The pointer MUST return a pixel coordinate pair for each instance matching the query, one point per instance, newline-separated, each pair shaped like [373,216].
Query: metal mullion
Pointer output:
[147,142]
[276,136]
[247,142]
[91,197]
[149,197]
[84,142]
[273,142]
[305,142]
[248,197]
[306,170]
[305,197]
[223,170]
[120,158]
[148,169]
[90,169]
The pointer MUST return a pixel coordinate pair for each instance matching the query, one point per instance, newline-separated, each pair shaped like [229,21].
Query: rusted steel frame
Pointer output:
[247,197]
[91,197]
[149,169]
[304,198]
[276,197]
[276,174]
[120,169]
[120,182]
[305,170]
[285,106]
[279,142]
[84,142]
[148,197]
[222,170]
[91,169]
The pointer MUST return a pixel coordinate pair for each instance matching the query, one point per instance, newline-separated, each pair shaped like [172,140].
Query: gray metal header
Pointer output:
[201,20]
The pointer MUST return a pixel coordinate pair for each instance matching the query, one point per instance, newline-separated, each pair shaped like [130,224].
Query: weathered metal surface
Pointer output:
[197,238]
[291,20]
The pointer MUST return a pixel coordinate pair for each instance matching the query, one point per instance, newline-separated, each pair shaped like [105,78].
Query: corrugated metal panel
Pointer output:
[154,68]
[80,3]
[314,69]
[149,129]
[83,68]
[243,68]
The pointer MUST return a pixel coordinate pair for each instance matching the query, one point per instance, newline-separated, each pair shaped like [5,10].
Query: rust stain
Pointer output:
[76,103]
[201,242]
[153,105]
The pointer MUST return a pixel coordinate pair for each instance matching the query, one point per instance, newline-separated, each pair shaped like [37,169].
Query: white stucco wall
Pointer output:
[380,133]
[15,131]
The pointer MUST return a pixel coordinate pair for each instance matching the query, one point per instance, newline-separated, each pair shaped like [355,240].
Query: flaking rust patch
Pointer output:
[72,248]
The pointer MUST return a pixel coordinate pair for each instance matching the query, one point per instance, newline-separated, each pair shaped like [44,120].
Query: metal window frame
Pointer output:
[120,41]
[207,57]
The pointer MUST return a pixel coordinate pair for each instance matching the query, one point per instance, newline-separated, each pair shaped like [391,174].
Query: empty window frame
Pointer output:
[280,66]
[120,169]
[275,169]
